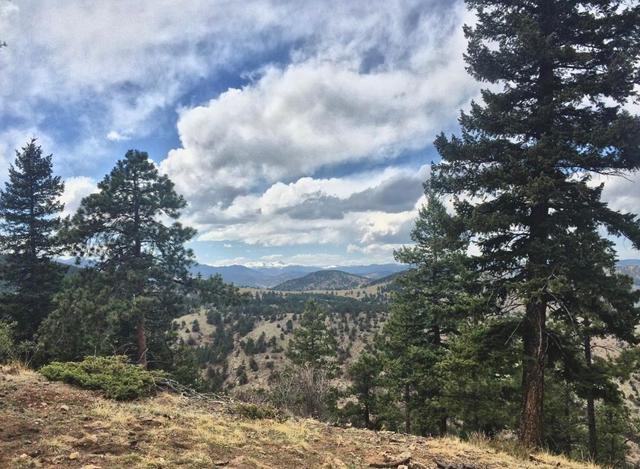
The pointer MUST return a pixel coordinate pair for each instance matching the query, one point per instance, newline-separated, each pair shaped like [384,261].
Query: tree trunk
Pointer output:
[142,341]
[137,252]
[407,409]
[442,424]
[534,333]
[442,421]
[367,416]
[591,409]
[535,348]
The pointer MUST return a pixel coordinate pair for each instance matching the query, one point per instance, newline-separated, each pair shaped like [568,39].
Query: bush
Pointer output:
[114,376]
[302,390]
[257,411]
[6,342]
[253,364]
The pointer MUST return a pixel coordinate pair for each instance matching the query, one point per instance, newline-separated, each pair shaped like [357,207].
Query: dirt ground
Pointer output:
[52,425]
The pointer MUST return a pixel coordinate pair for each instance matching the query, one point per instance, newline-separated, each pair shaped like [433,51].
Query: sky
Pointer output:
[299,132]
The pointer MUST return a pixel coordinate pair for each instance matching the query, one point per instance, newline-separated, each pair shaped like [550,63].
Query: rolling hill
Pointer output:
[323,280]
[631,267]
[271,276]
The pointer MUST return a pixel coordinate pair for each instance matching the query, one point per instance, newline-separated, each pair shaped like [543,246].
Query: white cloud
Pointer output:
[116,136]
[351,84]
[621,192]
[371,84]
[295,121]
[75,189]
[376,206]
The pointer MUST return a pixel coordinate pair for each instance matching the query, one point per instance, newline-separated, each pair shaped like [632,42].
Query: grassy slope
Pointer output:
[52,425]
[271,329]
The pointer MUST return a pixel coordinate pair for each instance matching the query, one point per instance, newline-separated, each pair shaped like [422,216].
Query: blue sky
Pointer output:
[299,132]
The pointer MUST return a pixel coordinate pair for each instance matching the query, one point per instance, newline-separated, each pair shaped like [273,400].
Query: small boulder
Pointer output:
[391,461]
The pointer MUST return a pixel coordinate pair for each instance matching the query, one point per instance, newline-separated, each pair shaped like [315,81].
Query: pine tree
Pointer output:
[431,298]
[121,227]
[523,163]
[365,377]
[29,208]
[312,342]
[593,301]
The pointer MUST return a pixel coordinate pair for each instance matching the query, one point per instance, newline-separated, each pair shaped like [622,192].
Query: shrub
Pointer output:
[257,411]
[6,342]
[253,364]
[114,376]
[302,390]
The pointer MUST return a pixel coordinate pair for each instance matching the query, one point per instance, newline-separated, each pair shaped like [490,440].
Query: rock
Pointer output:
[417,465]
[221,463]
[90,466]
[402,466]
[335,463]
[74,455]
[64,408]
[92,438]
[443,465]
[392,461]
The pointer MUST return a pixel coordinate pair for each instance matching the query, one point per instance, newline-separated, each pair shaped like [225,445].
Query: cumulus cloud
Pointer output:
[375,206]
[621,192]
[284,157]
[75,189]
[371,88]
[296,121]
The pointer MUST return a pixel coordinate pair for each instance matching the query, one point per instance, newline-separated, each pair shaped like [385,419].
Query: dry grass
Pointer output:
[52,425]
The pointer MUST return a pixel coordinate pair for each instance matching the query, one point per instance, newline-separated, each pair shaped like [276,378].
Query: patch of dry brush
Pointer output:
[53,425]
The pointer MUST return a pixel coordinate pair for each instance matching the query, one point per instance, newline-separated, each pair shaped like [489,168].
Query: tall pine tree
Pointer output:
[29,209]
[122,228]
[523,164]
[432,297]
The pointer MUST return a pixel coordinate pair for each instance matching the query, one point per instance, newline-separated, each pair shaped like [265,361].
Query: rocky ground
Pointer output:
[52,425]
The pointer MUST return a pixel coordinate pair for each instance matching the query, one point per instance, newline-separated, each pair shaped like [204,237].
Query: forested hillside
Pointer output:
[323,280]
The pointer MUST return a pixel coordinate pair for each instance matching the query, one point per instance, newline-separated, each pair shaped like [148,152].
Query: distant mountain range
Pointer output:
[324,280]
[269,277]
[631,267]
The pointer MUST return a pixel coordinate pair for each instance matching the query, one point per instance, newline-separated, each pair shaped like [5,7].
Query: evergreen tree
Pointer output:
[87,319]
[522,167]
[594,302]
[479,370]
[431,299]
[122,228]
[29,208]
[365,378]
[312,342]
